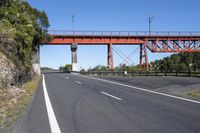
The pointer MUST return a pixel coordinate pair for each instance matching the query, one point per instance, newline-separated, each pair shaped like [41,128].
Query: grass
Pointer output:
[195,94]
[32,85]
[11,108]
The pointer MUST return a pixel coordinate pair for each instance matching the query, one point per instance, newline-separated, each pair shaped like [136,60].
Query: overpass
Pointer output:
[154,41]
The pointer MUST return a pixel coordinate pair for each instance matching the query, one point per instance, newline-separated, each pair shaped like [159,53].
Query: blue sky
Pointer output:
[113,15]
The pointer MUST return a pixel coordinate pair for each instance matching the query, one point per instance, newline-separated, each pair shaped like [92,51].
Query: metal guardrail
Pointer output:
[133,74]
[123,33]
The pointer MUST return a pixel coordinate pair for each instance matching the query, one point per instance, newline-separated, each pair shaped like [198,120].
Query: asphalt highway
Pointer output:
[75,104]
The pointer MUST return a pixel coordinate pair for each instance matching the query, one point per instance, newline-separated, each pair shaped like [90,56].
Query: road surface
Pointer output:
[85,105]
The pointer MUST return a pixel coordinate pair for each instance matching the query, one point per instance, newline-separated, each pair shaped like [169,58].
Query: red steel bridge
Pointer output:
[154,41]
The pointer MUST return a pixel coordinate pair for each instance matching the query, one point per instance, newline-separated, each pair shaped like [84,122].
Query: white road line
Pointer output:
[142,89]
[66,77]
[111,96]
[78,82]
[51,115]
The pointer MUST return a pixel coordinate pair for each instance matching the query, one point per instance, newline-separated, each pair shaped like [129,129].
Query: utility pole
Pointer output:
[150,19]
[73,16]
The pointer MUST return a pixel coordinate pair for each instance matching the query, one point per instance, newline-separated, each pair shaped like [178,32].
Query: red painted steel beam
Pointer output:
[94,40]
[141,57]
[110,57]
[154,43]
[173,45]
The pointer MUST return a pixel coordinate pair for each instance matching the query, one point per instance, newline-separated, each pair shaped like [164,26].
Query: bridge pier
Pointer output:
[74,47]
[143,57]
[110,57]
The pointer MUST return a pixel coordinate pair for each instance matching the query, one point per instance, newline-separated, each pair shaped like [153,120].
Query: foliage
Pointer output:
[178,62]
[99,68]
[26,27]
[66,68]
[122,67]
[83,70]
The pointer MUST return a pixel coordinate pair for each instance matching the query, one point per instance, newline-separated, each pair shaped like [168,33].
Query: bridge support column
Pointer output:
[110,57]
[143,57]
[74,57]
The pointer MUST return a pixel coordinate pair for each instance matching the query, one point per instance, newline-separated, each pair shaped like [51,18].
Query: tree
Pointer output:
[68,68]
[182,67]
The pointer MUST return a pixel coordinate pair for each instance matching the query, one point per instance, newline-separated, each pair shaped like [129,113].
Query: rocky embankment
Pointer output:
[7,72]
[10,95]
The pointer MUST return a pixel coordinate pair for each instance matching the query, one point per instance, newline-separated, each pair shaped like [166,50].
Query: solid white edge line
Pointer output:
[51,115]
[111,96]
[141,89]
